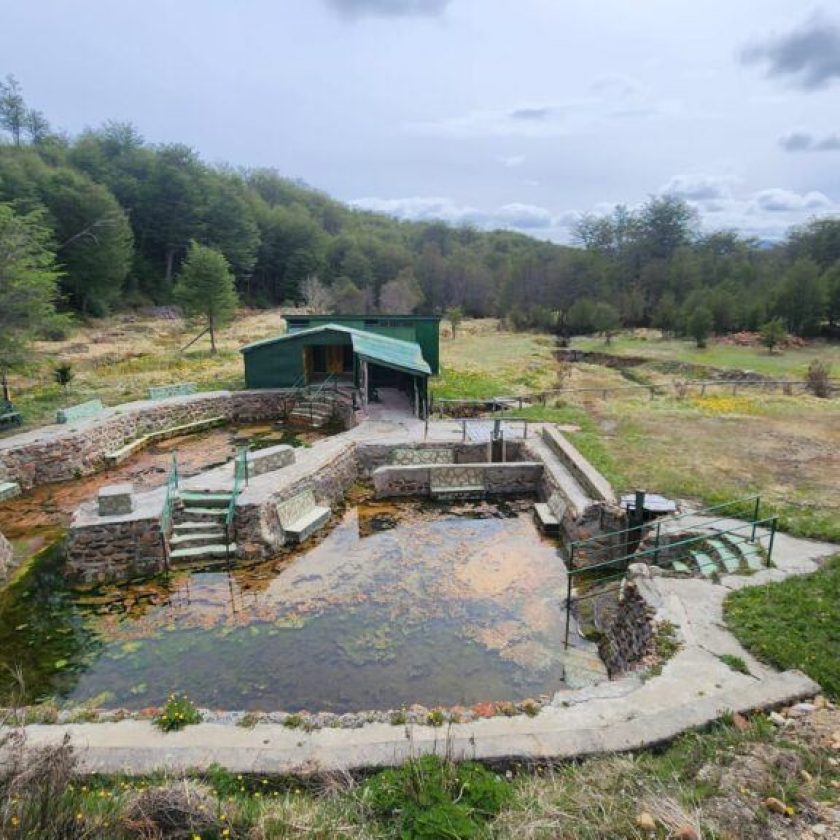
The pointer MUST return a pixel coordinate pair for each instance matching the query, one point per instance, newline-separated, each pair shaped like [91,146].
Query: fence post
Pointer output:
[571,556]
[526,429]
[656,544]
[568,608]
[463,430]
[773,522]
[755,517]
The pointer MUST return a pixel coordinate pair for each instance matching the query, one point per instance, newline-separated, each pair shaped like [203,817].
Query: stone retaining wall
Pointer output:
[61,453]
[630,638]
[373,456]
[7,558]
[258,529]
[114,551]
[497,479]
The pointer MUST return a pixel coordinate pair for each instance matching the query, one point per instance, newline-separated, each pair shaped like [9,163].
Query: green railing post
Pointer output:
[656,544]
[572,556]
[568,608]
[755,516]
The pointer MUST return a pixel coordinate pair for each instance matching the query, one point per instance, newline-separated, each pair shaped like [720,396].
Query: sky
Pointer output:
[520,114]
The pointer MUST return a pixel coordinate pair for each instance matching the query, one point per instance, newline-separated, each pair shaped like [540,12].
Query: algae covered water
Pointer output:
[397,604]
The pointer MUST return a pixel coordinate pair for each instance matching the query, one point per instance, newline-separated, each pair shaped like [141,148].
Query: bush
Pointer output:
[430,798]
[818,378]
[178,712]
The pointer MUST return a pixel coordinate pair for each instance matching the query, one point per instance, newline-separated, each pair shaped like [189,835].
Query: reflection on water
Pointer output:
[398,604]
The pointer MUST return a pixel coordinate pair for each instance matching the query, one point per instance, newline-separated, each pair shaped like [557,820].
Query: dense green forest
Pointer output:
[121,214]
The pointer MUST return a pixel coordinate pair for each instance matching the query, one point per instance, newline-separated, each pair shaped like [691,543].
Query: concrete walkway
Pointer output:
[693,689]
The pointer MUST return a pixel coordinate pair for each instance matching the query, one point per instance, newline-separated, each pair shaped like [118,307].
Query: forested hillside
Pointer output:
[122,212]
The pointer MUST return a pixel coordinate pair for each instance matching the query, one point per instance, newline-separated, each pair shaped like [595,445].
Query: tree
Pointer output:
[28,285]
[348,299]
[94,240]
[454,314]
[772,333]
[63,375]
[699,324]
[402,295]
[802,299]
[205,289]
[316,295]
[831,284]
[12,108]
[606,320]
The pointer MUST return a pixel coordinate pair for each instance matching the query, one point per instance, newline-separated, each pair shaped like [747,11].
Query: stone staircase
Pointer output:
[721,554]
[198,531]
[314,411]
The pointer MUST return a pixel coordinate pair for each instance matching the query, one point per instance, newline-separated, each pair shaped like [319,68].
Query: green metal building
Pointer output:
[387,352]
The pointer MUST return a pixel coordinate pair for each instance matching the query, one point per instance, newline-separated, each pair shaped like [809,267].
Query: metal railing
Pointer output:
[240,474]
[736,506]
[464,420]
[173,480]
[614,570]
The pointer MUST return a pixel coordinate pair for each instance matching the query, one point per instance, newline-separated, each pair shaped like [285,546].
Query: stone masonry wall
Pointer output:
[258,529]
[630,638]
[373,455]
[7,558]
[61,453]
[114,551]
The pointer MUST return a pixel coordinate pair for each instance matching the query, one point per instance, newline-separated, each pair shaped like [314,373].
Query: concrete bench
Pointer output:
[8,490]
[408,457]
[161,392]
[79,412]
[270,459]
[550,514]
[116,457]
[456,482]
[301,516]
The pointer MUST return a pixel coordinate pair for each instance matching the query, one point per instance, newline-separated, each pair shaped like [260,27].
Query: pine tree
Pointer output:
[205,289]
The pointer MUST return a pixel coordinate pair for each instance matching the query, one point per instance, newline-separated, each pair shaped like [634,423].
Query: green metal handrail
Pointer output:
[240,473]
[654,552]
[173,480]
[645,557]
[577,545]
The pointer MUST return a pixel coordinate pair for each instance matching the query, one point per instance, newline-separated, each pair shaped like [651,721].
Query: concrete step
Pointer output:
[205,513]
[707,567]
[197,538]
[201,498]
[750,553]
[679,566]
[730,561]
[203,552]
[186,527]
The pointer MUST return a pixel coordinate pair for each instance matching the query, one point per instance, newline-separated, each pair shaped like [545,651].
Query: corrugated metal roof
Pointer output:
[392,352]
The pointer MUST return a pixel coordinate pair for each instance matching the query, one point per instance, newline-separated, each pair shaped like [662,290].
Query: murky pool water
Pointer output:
[396,605]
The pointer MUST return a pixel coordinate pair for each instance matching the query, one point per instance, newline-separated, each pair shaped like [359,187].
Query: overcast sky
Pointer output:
[513,113]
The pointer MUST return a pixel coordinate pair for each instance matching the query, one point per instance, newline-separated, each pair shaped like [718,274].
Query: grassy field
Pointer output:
[117,359]
[783,364]
[705,449]
[793,624]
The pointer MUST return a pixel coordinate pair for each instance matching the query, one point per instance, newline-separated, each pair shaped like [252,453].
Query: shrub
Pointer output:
[178,712]
[818,378]
[435,718]
[736,663]
[432,798]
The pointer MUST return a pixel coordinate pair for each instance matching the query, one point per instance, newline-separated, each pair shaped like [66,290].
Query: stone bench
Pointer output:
[116,457]
[270,459]
[456,482]
[550,514]
[301,516]
[8,490]
[82,411]
[161,392]
[406,456]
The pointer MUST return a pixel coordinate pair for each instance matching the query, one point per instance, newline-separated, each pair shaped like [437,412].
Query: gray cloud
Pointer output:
[530,113]
[809,55]
[700,187]
[389,8]
[805,141]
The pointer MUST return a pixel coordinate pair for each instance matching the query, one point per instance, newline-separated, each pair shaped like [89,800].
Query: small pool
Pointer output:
[397,604]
